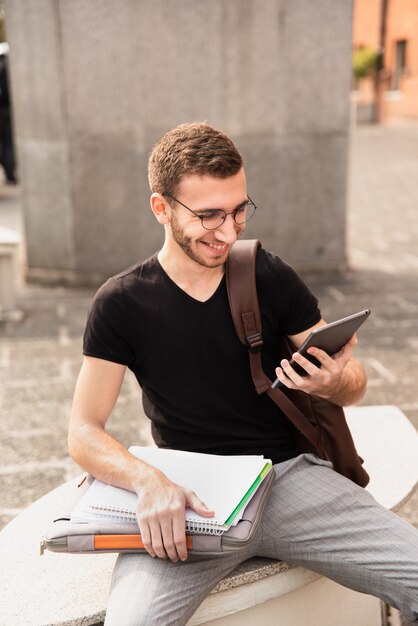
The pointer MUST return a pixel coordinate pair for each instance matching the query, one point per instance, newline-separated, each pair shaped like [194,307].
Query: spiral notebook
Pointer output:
[225,483]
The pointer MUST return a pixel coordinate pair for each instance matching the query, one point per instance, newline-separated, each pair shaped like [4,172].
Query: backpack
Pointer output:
[320,425]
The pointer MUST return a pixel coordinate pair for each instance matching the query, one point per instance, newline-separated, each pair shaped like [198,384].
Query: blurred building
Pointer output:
[385,43]
[96,83]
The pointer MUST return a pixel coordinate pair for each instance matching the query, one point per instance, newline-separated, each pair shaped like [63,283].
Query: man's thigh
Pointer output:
[323,521]
[148,591]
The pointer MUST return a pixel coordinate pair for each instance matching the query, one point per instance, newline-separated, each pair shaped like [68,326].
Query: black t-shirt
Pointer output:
[186,355]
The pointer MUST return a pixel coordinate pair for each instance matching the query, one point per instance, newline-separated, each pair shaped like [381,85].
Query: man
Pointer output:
[168,320]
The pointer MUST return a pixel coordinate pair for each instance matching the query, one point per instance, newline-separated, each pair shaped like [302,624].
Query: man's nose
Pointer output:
[228,231]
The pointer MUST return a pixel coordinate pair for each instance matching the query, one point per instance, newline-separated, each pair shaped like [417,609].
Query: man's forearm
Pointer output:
[105,458]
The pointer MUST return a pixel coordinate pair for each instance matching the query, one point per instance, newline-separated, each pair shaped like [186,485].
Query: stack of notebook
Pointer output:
[226,484]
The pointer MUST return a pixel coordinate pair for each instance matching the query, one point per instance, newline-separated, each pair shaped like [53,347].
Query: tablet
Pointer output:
[330,338]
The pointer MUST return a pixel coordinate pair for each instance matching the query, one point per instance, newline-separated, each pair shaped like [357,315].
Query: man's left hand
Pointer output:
[324,381]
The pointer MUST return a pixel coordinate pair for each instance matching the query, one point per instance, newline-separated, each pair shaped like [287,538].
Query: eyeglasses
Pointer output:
[214,218]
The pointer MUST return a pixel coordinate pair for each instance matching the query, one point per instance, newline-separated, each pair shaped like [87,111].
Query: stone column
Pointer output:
[96,83]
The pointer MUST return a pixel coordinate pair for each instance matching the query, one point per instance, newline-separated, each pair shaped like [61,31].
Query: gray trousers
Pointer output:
[315,518]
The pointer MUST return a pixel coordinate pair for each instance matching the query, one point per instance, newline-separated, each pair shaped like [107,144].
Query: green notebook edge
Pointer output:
[249,493]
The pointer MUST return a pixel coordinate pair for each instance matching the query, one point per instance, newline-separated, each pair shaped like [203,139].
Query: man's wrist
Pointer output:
[144,475]
[350,387]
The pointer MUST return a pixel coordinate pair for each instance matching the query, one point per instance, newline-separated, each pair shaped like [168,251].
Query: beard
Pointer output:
[186,244]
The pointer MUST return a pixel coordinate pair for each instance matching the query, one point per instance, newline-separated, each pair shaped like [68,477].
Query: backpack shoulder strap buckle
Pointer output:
[252,331]
[255,342]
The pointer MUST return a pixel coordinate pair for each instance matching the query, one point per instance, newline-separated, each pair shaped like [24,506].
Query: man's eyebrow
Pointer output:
[239,206]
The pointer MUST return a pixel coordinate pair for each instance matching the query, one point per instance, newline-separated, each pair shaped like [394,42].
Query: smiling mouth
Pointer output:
[216,246]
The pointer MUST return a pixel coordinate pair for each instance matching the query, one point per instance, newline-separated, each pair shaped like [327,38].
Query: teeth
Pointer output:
[216,246]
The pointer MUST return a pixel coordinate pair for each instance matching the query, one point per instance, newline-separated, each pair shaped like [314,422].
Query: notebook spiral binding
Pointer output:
[203,528]
[192,525]
[116,513]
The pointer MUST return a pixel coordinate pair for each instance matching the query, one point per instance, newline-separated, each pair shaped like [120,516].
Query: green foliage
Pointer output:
[365,62]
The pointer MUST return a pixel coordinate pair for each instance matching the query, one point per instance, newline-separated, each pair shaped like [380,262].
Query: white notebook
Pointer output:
[224,483]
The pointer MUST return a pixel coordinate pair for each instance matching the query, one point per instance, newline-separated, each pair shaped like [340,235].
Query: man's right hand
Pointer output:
[161,515]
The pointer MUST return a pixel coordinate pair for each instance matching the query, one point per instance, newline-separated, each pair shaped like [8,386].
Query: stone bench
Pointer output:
[9,244]
[64,589]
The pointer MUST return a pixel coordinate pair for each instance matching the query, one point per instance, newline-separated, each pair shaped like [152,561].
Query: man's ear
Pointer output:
[160,208]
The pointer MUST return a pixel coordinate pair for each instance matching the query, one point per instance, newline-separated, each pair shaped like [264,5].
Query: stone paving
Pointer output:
[40,356]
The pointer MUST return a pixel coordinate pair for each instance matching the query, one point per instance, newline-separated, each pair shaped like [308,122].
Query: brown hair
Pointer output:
[195,148]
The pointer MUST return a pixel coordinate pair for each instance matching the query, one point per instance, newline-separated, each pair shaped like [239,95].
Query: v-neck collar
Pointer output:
[171,282]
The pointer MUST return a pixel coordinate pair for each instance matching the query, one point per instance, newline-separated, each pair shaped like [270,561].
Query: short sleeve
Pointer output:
[107,323]
[302,306]
[284,293]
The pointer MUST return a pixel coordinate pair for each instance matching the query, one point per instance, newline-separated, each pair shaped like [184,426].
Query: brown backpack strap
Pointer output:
[243,300]
[240,280]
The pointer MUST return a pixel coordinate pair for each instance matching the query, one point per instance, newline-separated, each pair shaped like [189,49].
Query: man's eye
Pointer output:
[211,215]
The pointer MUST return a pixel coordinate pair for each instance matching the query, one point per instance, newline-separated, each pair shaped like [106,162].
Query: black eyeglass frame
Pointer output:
[225,214]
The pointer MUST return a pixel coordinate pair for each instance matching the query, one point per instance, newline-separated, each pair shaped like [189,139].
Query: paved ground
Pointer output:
[40,356]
